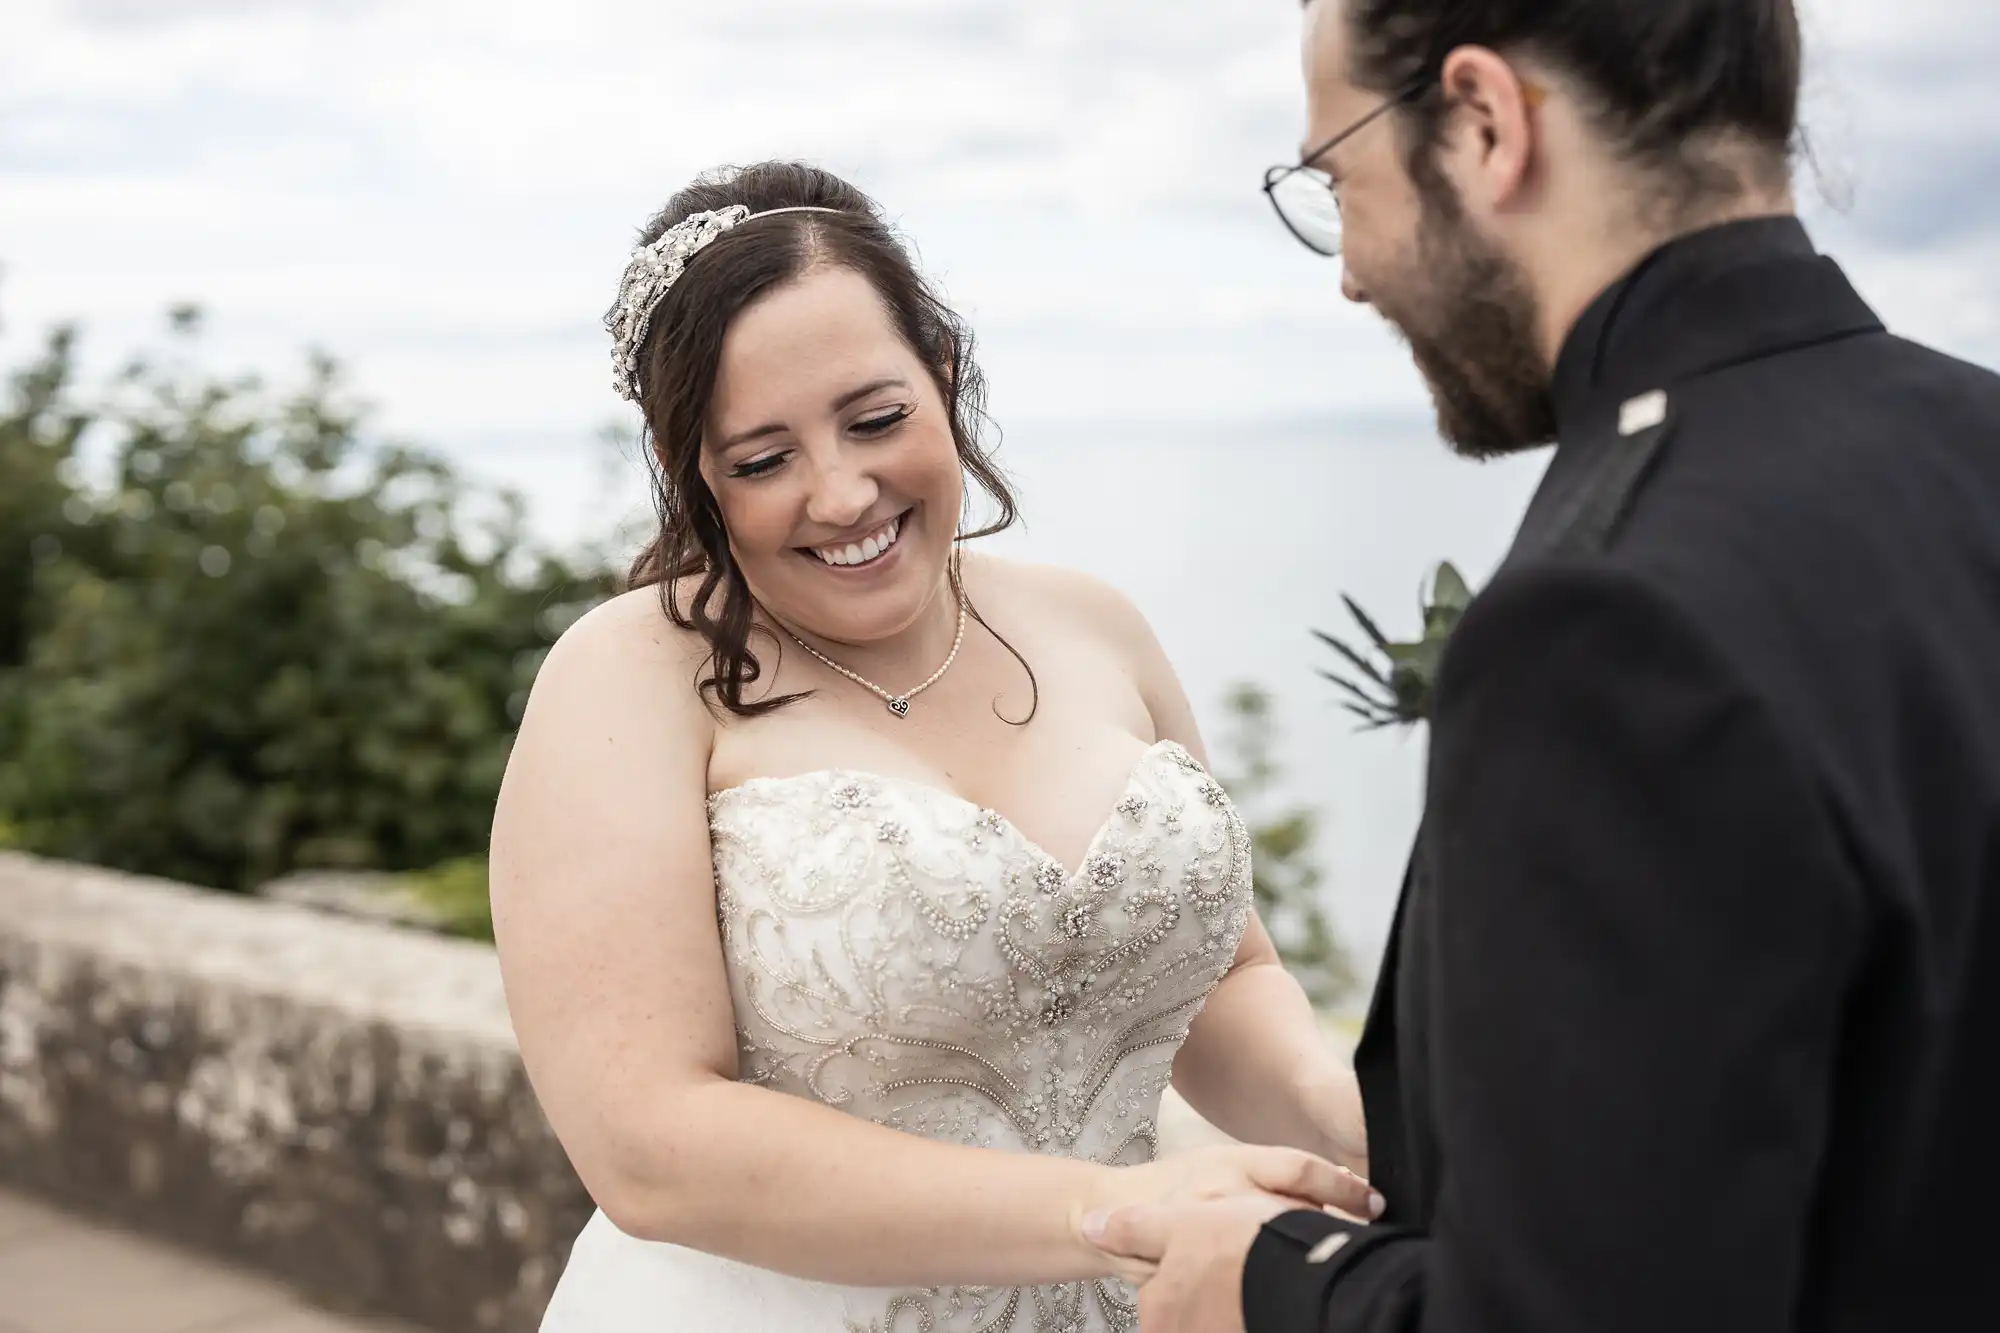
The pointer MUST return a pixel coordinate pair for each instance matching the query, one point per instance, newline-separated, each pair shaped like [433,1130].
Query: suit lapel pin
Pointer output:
[1642,413]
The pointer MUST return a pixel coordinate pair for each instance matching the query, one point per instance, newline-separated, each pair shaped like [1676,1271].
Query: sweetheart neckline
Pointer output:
[933,790]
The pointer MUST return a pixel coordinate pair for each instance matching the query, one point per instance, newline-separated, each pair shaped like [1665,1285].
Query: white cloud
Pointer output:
[427,184]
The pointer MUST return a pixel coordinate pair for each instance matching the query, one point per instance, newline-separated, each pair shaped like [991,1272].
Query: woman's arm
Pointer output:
[605,913]
[1255,1063]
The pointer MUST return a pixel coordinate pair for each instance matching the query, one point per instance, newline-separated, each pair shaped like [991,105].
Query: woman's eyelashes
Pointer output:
[881,423]
[871,427]
[757,467]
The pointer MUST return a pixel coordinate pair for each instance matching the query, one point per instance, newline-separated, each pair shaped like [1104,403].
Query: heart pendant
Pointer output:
[900,706]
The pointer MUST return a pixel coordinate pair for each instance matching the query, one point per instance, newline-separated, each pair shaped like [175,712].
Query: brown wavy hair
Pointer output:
[677,367]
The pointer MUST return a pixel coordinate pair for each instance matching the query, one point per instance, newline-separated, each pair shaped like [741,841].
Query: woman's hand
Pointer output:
[1285,1175]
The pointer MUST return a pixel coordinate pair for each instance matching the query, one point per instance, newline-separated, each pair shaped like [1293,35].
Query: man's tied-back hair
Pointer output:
[1668,81]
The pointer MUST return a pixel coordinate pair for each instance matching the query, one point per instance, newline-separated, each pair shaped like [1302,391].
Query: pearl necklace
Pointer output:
[899,704]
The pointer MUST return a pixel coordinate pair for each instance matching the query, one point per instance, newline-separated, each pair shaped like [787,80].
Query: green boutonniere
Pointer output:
[1390,683]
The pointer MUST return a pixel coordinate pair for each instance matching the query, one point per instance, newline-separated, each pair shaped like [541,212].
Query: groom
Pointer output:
[1691,1015]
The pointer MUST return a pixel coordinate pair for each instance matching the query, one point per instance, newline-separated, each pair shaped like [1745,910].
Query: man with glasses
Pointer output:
[1690,1016]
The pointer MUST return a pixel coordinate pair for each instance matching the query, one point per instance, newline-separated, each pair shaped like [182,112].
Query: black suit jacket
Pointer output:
[1691,1014]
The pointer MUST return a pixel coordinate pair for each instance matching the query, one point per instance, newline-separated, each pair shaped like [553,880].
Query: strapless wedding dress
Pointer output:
[899,953]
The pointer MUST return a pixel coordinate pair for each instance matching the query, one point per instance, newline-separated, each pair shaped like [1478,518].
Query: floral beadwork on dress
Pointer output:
[898,952]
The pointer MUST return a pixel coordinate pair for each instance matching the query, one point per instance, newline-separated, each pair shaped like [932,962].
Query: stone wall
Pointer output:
[337,1102]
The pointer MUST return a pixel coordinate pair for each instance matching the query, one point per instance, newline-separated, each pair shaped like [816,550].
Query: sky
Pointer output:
[443,194]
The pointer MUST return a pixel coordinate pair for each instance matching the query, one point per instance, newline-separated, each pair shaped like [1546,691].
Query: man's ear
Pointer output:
[1488,140]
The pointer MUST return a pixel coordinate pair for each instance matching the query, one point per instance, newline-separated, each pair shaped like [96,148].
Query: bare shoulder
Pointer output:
[1087,609]
[1083,602]
[630,627]
[623,656]
[608,771]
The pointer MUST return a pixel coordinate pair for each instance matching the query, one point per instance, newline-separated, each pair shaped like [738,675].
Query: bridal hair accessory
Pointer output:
[653,270]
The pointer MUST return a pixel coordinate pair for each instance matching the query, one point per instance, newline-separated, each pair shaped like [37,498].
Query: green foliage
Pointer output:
[40,517]
[456,890]
[1286,879]
[1391,683]
[266,643]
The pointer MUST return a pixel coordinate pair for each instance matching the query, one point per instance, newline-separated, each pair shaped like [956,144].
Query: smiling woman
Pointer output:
[833,463]
[848,1017]
[803,333]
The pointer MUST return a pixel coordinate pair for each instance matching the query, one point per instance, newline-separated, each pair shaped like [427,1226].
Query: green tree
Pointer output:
[1286,881]
[41,516]
[268,643]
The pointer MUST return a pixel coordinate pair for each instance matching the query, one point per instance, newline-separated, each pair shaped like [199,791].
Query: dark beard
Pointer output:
[1470,321]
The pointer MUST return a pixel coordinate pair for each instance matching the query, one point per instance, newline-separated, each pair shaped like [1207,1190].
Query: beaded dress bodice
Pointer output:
[905,956]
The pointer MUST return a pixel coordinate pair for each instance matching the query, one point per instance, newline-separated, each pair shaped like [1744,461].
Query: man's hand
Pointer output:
[1197,1251]
[1223,1171]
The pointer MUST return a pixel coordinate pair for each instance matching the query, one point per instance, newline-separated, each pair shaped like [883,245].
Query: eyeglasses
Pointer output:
[1304,196]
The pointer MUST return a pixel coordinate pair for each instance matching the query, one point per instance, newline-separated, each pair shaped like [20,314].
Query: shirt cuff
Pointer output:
[1292,1264]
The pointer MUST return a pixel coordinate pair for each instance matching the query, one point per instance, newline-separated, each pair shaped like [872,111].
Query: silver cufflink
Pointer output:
[1642,413]
[1327,1248]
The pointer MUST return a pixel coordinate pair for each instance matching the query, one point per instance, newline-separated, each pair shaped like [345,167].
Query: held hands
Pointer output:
[1273,1180]
[1196,1283]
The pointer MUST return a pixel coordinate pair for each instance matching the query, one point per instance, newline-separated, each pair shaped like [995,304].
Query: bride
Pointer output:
[858,897]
